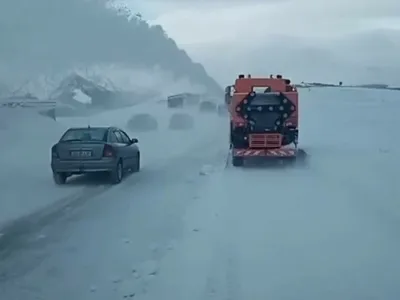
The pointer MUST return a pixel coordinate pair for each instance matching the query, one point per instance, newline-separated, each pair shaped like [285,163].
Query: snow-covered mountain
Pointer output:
[103,44]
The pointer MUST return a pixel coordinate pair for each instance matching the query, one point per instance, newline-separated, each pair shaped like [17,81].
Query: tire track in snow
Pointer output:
[14,234]
[222,280]
[232,267]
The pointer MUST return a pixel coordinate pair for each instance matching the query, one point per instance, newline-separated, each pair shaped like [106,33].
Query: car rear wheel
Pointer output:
[117,173]
[59,178]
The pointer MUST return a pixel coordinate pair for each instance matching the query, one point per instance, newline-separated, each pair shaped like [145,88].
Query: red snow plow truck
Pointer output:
[263,119]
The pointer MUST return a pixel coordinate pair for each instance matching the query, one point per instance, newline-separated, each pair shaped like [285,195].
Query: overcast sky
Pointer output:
[346,40]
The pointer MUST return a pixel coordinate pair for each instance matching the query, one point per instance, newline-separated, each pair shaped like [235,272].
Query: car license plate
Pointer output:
[81,153]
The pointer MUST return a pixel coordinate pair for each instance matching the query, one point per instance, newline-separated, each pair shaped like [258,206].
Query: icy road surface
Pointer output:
[181,230]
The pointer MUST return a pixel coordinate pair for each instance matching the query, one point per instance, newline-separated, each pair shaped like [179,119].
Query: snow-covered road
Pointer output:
[175,232]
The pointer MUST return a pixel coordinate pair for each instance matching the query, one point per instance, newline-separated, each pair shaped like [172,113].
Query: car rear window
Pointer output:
[85,134]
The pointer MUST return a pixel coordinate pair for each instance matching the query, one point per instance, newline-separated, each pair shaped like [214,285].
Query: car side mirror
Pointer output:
[134,141]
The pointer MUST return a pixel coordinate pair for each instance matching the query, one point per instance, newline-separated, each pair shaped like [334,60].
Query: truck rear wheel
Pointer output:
[237,161]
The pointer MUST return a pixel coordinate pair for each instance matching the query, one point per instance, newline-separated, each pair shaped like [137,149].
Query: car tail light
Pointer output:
[108,151]
[54,152]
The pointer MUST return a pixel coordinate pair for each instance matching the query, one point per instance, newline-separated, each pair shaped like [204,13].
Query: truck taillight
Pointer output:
[108,151]
[54,152]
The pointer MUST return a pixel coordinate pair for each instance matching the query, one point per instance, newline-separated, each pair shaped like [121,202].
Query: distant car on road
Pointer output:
[208,106]
[94,149]
[176,101]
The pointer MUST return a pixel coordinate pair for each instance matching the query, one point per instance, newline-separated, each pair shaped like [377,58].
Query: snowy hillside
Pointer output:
[186,227]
